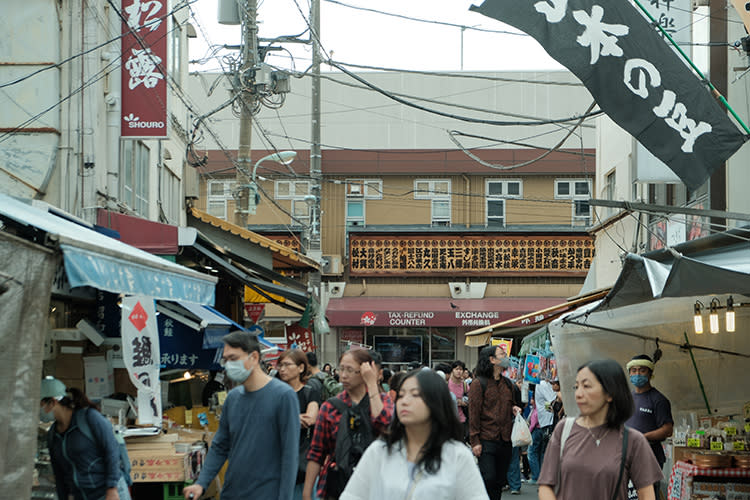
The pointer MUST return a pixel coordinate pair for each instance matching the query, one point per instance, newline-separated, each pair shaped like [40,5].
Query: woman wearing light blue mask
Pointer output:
[84,453]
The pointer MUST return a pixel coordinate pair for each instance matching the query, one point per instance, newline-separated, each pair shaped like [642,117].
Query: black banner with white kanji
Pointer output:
[634,76]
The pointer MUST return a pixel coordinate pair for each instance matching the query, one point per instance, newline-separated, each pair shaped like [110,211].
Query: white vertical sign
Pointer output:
[140,346]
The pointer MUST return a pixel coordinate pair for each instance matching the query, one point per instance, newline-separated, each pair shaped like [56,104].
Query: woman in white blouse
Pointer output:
[422,456]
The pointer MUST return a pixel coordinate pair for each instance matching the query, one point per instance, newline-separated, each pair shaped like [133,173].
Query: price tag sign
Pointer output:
[731,431]
[747,428]
[717,445]
[188,417]
[693,443]
[739,446]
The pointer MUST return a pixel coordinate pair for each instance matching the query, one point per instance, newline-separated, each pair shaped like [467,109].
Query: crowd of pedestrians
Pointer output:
[372,434]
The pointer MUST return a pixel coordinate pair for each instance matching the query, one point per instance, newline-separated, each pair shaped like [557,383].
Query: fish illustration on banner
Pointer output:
[141,354]
[532,368]
[634,76]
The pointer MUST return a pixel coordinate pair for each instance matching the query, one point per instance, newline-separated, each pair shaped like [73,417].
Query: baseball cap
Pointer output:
[51,388]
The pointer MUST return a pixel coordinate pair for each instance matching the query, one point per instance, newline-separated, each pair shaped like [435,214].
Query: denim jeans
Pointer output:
[514,470]
[540,438]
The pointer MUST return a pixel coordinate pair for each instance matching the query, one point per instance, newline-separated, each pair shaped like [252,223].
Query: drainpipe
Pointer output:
[467,200]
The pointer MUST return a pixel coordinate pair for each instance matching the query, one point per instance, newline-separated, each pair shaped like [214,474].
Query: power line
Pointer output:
[97,47]
[427,21]
[458,117]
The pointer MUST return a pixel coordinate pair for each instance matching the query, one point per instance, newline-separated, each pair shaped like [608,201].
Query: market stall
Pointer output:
[687,304]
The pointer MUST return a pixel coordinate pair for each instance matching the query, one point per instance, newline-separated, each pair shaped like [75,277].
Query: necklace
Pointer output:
[597,441]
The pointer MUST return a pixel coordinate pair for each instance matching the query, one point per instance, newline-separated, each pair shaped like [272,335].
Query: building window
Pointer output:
[439,192]
[219,194]
[291,190]
[357,191]
[355,212]
[134,176]
[170,199]
[579,191]
[300,211]
[496,192]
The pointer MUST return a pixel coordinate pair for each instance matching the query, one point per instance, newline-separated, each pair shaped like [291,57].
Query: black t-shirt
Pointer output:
[652,410]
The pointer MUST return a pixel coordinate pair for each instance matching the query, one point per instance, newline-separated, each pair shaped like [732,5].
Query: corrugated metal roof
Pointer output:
[288,255]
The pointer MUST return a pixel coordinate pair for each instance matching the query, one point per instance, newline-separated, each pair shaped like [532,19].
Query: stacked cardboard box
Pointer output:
[155,459]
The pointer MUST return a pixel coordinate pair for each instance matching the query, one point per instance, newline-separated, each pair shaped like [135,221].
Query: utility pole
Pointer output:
[718,57]
[313,242]
[245,81]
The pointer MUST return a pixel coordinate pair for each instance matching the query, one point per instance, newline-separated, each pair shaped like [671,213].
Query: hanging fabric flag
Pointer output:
[140,347]
[633,75]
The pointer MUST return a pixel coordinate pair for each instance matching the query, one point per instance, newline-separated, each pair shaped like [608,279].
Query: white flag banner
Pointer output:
[140,347]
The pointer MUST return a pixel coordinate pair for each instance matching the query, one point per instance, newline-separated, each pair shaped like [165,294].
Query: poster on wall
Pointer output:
[141,354]
[143,74]
[532,368]
[505,344]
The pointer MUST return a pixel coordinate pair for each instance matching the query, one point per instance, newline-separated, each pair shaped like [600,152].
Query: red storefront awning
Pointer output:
[431,311]
[153,237]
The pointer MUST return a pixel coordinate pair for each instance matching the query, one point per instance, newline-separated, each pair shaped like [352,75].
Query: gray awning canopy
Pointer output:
[691,269]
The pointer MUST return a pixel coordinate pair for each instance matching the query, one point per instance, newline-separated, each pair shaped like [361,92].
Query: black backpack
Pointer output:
[354,436]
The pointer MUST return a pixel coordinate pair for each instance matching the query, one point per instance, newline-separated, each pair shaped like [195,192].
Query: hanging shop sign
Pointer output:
[140,345]
[254,311]
[144,73]
[299,337]
[635,77]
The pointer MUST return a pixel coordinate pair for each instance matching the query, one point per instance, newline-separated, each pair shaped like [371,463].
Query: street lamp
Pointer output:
[282,157]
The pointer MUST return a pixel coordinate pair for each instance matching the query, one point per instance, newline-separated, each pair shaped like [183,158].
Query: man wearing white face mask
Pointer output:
[258,433]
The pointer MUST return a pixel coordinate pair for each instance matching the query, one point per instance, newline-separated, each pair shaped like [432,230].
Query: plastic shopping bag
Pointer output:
[521,435]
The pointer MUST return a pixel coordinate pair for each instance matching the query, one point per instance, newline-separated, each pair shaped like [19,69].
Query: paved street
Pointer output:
[528,492]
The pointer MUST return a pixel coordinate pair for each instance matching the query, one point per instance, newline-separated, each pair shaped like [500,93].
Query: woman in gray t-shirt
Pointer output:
[590,465]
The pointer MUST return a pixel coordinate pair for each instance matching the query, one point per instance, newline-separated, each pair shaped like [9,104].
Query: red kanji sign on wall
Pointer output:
[144,73]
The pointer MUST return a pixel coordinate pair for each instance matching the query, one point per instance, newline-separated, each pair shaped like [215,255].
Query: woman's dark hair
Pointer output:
[328,365]
[359,355]
[298,357]
[609,373]
[396,380]
[444,422]
[456,363]
[74,399]
[485,368]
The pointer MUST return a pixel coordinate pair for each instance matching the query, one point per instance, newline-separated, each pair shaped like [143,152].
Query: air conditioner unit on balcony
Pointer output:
[336,289]
[462,290]
[332,265]
[355,189]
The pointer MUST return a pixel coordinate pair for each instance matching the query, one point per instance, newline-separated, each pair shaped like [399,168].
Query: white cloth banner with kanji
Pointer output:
[140,346]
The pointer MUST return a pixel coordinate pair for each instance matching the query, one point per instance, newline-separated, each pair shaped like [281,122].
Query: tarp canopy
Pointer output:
[92,259]
[26,275]
[651,306]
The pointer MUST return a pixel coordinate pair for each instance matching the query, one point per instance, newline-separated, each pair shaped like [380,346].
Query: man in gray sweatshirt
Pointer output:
[258,433]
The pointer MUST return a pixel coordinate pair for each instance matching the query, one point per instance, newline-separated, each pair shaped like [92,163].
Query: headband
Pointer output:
[640,362]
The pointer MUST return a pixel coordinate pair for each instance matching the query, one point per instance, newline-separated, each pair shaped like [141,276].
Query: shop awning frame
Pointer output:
[263,287]
[95,260]
[481,336]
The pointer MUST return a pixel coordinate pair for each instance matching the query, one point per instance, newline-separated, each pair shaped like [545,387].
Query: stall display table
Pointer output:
[682,487]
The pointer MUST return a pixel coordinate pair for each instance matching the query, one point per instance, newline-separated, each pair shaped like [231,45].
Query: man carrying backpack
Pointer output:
[346,425]
[321,382]
[493,402]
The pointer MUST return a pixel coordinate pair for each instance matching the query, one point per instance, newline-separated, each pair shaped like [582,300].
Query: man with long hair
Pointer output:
[493,402]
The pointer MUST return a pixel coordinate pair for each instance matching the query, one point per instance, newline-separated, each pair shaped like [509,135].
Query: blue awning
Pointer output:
[92,259]
[206,319]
